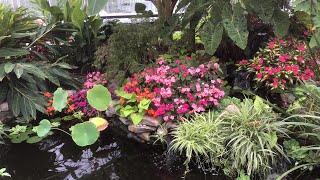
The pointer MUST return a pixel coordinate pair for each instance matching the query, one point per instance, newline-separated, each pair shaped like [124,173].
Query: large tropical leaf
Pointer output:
[280,22]
[211,36]
[235,24]
[263,8]
[9,52]
[95,6]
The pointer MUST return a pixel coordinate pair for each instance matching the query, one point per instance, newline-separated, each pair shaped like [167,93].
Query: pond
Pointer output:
[114,157]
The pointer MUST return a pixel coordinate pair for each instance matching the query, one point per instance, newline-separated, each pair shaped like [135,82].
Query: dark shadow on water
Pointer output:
[114,157]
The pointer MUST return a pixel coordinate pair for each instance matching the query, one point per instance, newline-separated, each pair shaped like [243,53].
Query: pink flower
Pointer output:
[166,118]
[259,76]
[271,45]
[300,59]
[188,58]
[281,41]
[216,65]
[178,61]
[261,61]
[302,47]
[266,68]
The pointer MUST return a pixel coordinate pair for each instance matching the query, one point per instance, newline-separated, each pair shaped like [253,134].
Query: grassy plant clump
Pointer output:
[201,137]
[252,144]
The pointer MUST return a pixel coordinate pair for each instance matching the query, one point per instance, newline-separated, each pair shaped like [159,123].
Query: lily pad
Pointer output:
[99,97]
[60,99]
[85,134]
[100,123]
[43,128]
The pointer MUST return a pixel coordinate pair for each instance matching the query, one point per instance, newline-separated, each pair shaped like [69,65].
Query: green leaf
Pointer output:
[43,128]
[211,36]
[78,17]
[315,40]
[60,99]
[8,52]
[99,97]
[84,134]
[96,25]
[32,69]
[8,67]
[18,69]
[259,105]
[236,25]
[136,118]
[280,21]
[3,73]
[34,139]
[95,6]
[14,99]
[144,105]
[263,8]
[126,111]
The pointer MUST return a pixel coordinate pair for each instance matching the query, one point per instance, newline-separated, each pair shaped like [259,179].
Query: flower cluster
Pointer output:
[95,78]
[81,103]
[178,89]
[281,64]
[50,109]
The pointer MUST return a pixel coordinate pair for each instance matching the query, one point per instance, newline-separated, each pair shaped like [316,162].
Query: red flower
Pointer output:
[188,58]
[259,76]
[47,94]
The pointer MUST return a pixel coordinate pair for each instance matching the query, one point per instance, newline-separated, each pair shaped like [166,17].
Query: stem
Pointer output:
[293,169]
[61,131]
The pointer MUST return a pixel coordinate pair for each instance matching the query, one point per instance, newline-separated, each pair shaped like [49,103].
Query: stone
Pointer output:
[232,108]
[151,121]
[4,107]
[111,111]
[135,137]
[141,129]
[144,136]
[162,131]
[171,125]
[125,121]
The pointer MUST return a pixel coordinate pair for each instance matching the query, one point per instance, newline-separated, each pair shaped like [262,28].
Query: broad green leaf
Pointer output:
[34,139]
[32,69]
[85,134]
[263,8]
[136,118]
[8,67]
[126,111]
[78,17]
[100,123]
[144,105]
[96,25]
[308,6]
[315,40]
[8,52]
[99,97]
[18,69]
[259,105]
[211,36]
[95,6]
[27,107]
[14,102]
[280,21]
[60,99]
[22,35]
[43,128]
[236,25]
[3,73]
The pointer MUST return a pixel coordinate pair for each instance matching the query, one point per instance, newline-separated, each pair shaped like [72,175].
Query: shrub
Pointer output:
[130,49]
[176,88]
[280,64]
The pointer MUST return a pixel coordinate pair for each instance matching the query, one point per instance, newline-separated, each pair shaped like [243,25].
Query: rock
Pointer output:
[141,129]
[162,131]
[111,111]
[151,121]
[125,121]
[6,116]
[171,125]
[4,107]
[232,108]
[135,137]
[144,136]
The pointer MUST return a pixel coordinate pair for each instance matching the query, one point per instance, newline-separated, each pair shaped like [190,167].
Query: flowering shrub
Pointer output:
[176,88]
[280,64]
[78,100]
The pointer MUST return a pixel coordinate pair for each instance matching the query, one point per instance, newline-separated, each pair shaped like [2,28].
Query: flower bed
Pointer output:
[171,90]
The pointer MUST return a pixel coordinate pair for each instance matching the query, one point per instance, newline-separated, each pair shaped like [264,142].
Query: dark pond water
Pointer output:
[114,157]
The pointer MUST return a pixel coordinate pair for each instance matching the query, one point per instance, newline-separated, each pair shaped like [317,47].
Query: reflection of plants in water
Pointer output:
[72,164]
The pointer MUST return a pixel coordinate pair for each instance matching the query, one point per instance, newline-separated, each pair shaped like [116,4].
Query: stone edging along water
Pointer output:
[144,130]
